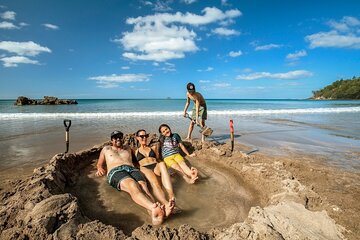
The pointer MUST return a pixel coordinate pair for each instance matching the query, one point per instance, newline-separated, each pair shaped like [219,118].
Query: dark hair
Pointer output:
[190,87]
[116,133]
[164,125]
[138,131]
[162,137]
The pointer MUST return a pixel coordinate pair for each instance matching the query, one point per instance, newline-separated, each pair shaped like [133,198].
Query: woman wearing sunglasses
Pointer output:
[146,157]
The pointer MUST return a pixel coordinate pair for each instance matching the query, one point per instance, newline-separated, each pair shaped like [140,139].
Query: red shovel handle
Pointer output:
[231,126]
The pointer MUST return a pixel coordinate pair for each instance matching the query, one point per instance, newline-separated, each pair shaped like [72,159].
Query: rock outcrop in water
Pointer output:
[39,207]
[46,101]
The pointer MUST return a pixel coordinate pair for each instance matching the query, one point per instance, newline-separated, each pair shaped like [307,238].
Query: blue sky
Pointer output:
[152,49]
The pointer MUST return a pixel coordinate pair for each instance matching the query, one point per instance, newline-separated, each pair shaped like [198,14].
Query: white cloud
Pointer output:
[125,68]
[295,56]
[342,27]
[22,24]
[50,26]
[208,69]
[204,81]
[8,25]
[222,85]
[346,24]
[162,6]
[23,48]
[235,54]
[169,67]
[189,1]
[267,47]
[225,31]
[159,56]
[162,37]
[343,34]
[148,3]
[8,15]
[159,5]
[15,60]
[287,76]
[211,15]
[247,70]
[333,39]
[351,21]
[111,81]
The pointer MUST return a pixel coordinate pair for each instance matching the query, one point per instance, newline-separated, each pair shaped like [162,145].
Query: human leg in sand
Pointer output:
[158,190]
[156,210]
[177,162]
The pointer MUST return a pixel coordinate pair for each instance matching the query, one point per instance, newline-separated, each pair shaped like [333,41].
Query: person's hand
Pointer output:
[192,155]
[185,114]
[197,122]
[100,172]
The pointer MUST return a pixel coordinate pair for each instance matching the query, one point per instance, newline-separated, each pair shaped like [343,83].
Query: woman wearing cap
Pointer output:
[146,157]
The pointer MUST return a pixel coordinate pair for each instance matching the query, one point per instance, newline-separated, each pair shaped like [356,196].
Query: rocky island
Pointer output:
[48,100]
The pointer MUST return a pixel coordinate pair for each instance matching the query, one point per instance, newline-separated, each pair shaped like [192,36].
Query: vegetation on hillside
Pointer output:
[341,89]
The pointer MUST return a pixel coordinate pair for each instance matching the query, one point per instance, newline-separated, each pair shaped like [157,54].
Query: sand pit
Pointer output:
[257,197]
[218,199]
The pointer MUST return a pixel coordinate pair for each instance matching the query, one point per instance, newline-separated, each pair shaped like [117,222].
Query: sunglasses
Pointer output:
[144,136]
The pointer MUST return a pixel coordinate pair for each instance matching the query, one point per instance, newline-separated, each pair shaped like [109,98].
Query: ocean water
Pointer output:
[30,135]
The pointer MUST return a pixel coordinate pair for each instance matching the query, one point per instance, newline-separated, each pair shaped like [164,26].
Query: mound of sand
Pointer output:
[292,201]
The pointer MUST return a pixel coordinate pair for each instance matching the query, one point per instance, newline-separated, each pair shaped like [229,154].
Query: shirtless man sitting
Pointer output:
[122,175]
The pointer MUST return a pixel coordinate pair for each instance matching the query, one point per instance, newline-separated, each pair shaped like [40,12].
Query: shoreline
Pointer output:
[40,141]
[303,185]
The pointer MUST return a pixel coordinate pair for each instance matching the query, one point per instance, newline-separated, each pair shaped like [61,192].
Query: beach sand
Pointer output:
[262,196]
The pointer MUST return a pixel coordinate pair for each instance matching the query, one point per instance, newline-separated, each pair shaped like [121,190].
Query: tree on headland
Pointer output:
[341,89]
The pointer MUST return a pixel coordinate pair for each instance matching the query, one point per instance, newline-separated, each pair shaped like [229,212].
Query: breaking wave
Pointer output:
[103,115]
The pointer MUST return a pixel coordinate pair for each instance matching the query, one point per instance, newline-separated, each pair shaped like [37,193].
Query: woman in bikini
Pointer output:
[146,157]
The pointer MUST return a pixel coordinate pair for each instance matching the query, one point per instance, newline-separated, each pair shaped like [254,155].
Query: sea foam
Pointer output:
[253,112]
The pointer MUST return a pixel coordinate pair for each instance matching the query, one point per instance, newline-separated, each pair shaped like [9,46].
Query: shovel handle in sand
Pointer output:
[67,124]
[232,134]
[206,131]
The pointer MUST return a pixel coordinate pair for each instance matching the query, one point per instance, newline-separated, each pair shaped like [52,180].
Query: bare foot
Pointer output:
[157,214]
[169,207]
[189,180]
[194,173]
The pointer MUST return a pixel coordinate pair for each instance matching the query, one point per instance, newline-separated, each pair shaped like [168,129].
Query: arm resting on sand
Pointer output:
[100,170]
[183,148]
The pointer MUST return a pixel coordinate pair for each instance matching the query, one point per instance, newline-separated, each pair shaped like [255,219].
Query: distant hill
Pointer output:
[341,89]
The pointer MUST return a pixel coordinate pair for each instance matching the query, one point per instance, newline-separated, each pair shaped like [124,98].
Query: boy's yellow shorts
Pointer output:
[175,158]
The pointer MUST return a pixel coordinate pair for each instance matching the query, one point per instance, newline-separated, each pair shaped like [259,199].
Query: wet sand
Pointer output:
[218,199]
[37,141]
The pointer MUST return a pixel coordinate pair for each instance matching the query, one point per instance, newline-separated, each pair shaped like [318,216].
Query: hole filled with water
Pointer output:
[218,199]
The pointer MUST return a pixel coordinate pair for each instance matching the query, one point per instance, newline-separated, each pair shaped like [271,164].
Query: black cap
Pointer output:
[116,133]
[190,87]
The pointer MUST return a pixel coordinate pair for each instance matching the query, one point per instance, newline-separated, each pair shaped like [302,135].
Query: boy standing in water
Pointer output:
[199,109]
